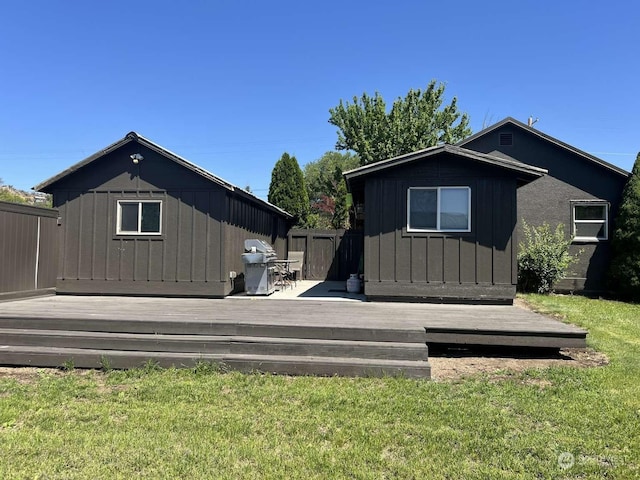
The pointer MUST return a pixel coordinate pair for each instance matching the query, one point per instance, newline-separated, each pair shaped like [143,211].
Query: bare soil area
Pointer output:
[446,365]
[453,365]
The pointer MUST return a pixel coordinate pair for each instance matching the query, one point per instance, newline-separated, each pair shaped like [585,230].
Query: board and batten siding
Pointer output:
[480,264]
[204,222]
[196,254]
[247,220]
[186,255]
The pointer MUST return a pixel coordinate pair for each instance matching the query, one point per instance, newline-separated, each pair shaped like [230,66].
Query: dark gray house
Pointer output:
[137,219]
[440,224]
[580,191]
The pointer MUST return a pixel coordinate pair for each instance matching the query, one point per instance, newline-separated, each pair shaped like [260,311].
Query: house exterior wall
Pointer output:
[478,265]
[548,199]
[247,220]
[195,252]
[28,249]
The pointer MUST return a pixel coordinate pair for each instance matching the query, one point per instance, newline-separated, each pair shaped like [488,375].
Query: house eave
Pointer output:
[523,170]
[548,138]
[136,137]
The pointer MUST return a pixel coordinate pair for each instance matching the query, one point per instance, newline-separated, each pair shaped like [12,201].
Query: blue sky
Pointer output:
[232,85]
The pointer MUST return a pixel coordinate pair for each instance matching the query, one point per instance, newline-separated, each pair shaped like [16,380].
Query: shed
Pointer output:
[137,219]
[439,224]
[581,192]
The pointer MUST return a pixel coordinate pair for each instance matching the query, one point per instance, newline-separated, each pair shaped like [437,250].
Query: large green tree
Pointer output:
[327,189]
[287,189]
[414,122]
[625,265]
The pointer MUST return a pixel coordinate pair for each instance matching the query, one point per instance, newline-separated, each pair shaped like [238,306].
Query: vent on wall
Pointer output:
[505,139]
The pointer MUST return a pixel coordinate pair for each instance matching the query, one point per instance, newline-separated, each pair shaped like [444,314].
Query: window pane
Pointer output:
[150,217]
[590,230]
[423,204]
[454,209]
[128,217]
[590,212]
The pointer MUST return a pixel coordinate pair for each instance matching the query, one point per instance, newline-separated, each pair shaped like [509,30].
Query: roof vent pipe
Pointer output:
[531,121]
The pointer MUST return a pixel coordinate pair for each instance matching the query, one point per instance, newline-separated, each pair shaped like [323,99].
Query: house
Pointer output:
[440,224]
[580,191]
[137,219]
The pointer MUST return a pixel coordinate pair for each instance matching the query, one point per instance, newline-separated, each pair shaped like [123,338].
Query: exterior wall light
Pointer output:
[136,157]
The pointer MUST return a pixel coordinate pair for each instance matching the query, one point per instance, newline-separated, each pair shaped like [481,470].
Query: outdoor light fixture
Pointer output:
[136,157]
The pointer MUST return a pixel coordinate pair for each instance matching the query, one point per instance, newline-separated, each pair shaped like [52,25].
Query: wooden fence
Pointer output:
[329,254]
[28,249]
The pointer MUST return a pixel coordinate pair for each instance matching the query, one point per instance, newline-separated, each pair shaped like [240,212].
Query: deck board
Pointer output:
[488,320]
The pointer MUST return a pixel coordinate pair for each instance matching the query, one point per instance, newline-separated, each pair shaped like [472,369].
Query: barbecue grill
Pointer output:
[260,270]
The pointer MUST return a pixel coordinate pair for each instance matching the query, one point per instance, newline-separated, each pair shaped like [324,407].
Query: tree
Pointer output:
[287,189]
[624,273]
[327,189]
[413,123]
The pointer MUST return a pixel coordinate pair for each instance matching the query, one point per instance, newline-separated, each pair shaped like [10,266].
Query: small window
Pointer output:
[590,221]
[139,217]
[505,139]
[439,209]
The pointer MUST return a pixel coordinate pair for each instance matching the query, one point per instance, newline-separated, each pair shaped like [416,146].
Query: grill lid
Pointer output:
[254,245]
[257,251]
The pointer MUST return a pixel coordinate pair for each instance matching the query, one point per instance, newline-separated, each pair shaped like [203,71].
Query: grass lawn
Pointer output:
[187,424]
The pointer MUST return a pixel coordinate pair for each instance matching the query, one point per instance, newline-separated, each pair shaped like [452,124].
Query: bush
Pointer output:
[624,273]
[543,258]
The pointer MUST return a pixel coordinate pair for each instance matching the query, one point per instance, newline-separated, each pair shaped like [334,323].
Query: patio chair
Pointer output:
[297,265]
[284,276]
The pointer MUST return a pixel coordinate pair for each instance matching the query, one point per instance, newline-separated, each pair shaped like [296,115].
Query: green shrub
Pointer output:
[624,273]
[543,258]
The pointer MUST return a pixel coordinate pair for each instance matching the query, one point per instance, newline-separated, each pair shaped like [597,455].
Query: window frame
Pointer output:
[574,221]
[139,232]
[438,228]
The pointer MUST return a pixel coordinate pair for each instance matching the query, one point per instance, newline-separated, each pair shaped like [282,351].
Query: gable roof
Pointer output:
[548,138]
[526,172]
[136,137]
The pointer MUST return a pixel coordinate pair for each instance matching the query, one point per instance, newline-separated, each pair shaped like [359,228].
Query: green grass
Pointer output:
[207,423]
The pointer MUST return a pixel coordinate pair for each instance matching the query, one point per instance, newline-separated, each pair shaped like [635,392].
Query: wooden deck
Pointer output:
[256,332]
[443,323]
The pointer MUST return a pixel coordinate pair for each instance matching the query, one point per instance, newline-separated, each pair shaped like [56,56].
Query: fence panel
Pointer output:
[28,249]
[329,254]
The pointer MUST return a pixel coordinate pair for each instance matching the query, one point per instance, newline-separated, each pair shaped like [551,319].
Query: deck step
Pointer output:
[271,345]
[214,344]
[505,338]
[286,329]
[281,364]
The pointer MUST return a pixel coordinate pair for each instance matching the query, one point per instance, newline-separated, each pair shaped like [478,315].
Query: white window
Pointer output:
[439,209]
[139,217]
[590,221]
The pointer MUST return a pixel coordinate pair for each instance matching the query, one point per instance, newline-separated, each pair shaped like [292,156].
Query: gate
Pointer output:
[329,254]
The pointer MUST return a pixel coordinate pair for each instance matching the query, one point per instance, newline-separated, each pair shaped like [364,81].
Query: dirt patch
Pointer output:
[29,375]
[23,374]
[452,365]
